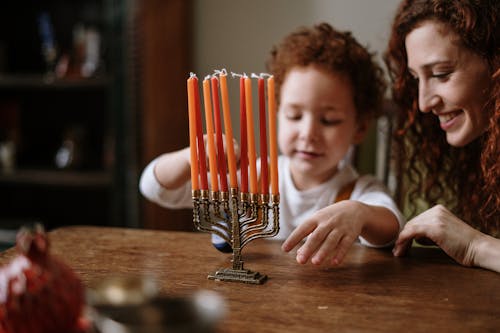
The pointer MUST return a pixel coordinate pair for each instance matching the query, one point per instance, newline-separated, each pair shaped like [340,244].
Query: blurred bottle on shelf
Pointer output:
[3,57]
[9,135]
[49,49]
[92,52]
[7,156]
[84,58]
[71,153]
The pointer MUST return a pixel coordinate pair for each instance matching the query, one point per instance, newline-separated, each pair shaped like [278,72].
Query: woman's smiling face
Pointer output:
[453,82]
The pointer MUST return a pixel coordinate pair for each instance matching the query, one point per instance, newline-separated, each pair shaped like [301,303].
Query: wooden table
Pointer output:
[370,292]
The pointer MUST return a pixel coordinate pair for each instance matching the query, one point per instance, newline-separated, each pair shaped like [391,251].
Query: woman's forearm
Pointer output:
[487,253]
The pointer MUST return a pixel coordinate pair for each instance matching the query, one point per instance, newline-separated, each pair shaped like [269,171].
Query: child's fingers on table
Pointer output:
[311,245]
[327,247]
[342,249]
[297,236]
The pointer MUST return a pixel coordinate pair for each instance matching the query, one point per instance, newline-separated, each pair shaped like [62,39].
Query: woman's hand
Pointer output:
[459,240]
[330,233]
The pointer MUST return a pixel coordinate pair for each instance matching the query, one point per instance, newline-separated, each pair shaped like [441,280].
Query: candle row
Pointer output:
[215,146]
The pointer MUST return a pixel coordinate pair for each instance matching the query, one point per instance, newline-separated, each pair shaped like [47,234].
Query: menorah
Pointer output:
[237,213]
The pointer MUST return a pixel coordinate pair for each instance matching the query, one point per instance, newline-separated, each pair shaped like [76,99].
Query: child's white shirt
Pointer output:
[295,206]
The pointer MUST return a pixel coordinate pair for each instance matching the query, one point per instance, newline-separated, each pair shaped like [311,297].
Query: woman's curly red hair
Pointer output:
[466,179]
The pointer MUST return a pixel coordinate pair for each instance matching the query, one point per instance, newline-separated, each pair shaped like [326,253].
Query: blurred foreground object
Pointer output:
[133,305]
[38,292]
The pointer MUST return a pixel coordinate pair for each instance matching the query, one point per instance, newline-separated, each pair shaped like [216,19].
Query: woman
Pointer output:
[443,60]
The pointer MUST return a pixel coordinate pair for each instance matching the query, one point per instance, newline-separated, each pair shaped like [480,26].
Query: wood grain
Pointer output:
[372,291]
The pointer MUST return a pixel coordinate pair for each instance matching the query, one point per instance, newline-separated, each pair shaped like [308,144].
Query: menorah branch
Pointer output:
[209,216]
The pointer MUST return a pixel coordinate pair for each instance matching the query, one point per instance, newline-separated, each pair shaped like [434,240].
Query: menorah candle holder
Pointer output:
[237,213]
[238,221]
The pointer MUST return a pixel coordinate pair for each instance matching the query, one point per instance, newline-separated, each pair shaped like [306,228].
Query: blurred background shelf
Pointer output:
[65,127]
[39,81]
[72,141]
[40,177]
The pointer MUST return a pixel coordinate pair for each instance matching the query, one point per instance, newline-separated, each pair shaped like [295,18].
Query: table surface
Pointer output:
[371,291]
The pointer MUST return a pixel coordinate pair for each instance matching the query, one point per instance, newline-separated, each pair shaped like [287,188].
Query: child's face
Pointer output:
[317,123]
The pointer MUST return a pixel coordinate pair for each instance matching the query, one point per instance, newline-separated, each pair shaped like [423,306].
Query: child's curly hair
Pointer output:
[334,52]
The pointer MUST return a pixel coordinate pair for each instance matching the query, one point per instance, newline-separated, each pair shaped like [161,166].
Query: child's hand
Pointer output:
[235,145]
[330,233]
[236,150]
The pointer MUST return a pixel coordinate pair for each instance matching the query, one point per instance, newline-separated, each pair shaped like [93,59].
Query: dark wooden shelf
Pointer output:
[39,81]
[99,114]
[58,178]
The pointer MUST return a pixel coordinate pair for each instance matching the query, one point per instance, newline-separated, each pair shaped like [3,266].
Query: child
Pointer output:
[328,89]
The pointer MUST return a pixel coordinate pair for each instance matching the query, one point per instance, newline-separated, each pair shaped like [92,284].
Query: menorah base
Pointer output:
[233,275]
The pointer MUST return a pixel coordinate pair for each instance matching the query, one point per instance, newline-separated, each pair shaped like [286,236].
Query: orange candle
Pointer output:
[218,135]
[250,136]
[212,156]
[243,139]
[202,158]
[273,149]
[264,172]
[231,159]
[192,135]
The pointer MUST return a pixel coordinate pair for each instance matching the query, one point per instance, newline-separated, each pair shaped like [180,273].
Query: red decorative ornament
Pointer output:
[38,292]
